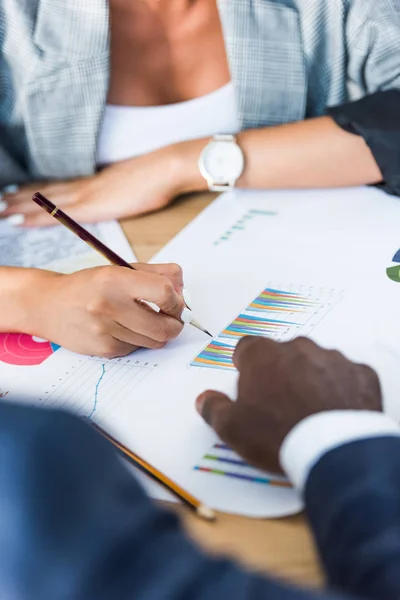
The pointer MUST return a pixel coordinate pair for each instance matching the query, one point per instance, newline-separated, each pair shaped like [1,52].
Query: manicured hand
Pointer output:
[280,384]
[126,189]
[100,311]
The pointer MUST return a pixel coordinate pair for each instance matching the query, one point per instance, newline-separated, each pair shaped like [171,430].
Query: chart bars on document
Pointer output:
[278,312]
[223,462]
[252,221]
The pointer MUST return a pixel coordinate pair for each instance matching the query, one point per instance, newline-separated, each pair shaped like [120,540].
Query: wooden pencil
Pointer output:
[80,231]
[200,509]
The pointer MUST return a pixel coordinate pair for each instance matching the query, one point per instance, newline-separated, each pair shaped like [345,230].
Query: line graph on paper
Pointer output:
[279,312]
[91,387]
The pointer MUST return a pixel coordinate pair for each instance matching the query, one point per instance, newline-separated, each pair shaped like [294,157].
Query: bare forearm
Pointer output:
[18,297]
[308,154]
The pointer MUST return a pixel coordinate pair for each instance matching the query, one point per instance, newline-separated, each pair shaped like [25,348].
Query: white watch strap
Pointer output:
[221,187]
[224,137]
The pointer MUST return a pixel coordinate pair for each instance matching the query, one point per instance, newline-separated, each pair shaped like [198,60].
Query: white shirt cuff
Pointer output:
[313,437]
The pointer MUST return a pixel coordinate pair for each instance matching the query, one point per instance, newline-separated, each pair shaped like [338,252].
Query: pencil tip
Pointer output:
[205,513]
[200,327]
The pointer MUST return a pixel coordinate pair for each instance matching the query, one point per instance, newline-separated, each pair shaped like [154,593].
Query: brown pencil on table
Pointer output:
[201,510]
[90,239]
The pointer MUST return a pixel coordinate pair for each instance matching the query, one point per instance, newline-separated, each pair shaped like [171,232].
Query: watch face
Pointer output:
[222,162]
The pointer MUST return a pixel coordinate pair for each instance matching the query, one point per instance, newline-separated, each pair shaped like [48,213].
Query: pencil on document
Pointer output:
[200,509]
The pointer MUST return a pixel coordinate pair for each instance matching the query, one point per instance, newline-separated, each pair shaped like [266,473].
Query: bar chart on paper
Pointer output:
[278,312]
[252,222]
[223,462]
[92,387]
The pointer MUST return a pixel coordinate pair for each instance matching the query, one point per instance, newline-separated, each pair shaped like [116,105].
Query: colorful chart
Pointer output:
[24,350]
[394,272]
[247,325]
[221,460]
[279,301]
[92,387]
[275,313]
[216,355]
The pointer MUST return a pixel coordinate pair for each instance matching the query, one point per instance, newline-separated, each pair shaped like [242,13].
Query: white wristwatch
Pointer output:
[221,163]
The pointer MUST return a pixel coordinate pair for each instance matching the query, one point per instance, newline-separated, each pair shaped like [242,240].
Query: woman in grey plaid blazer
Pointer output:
[316,85]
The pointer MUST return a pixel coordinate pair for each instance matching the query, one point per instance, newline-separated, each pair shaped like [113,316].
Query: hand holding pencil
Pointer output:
[186,315]
[99,311]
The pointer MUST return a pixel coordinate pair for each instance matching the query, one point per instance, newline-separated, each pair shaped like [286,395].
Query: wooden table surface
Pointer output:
[282,547]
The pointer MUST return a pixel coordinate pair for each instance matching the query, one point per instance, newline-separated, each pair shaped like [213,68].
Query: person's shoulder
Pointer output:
[31,432]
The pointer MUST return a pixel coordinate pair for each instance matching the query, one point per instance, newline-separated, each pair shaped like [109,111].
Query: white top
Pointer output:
[313,437]
[129,131]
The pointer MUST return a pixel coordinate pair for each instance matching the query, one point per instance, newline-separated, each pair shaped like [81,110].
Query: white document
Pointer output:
[57,248]
[278,265]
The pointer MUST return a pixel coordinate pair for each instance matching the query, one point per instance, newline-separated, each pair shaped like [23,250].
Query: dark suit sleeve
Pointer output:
[74,524]
[377,119]
[353,502]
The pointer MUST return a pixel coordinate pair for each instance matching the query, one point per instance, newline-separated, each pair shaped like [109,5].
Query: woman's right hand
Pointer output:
[99,310]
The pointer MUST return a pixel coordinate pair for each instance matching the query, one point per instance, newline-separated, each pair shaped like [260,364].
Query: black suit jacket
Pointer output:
[75,525]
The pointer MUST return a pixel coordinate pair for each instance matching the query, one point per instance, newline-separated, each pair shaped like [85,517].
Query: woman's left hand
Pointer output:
[126,189]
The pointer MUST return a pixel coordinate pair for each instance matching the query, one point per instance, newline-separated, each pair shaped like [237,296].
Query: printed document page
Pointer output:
[57,248]
[278,265]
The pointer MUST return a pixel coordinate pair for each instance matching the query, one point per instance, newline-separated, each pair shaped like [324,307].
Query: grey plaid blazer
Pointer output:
[289,59]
